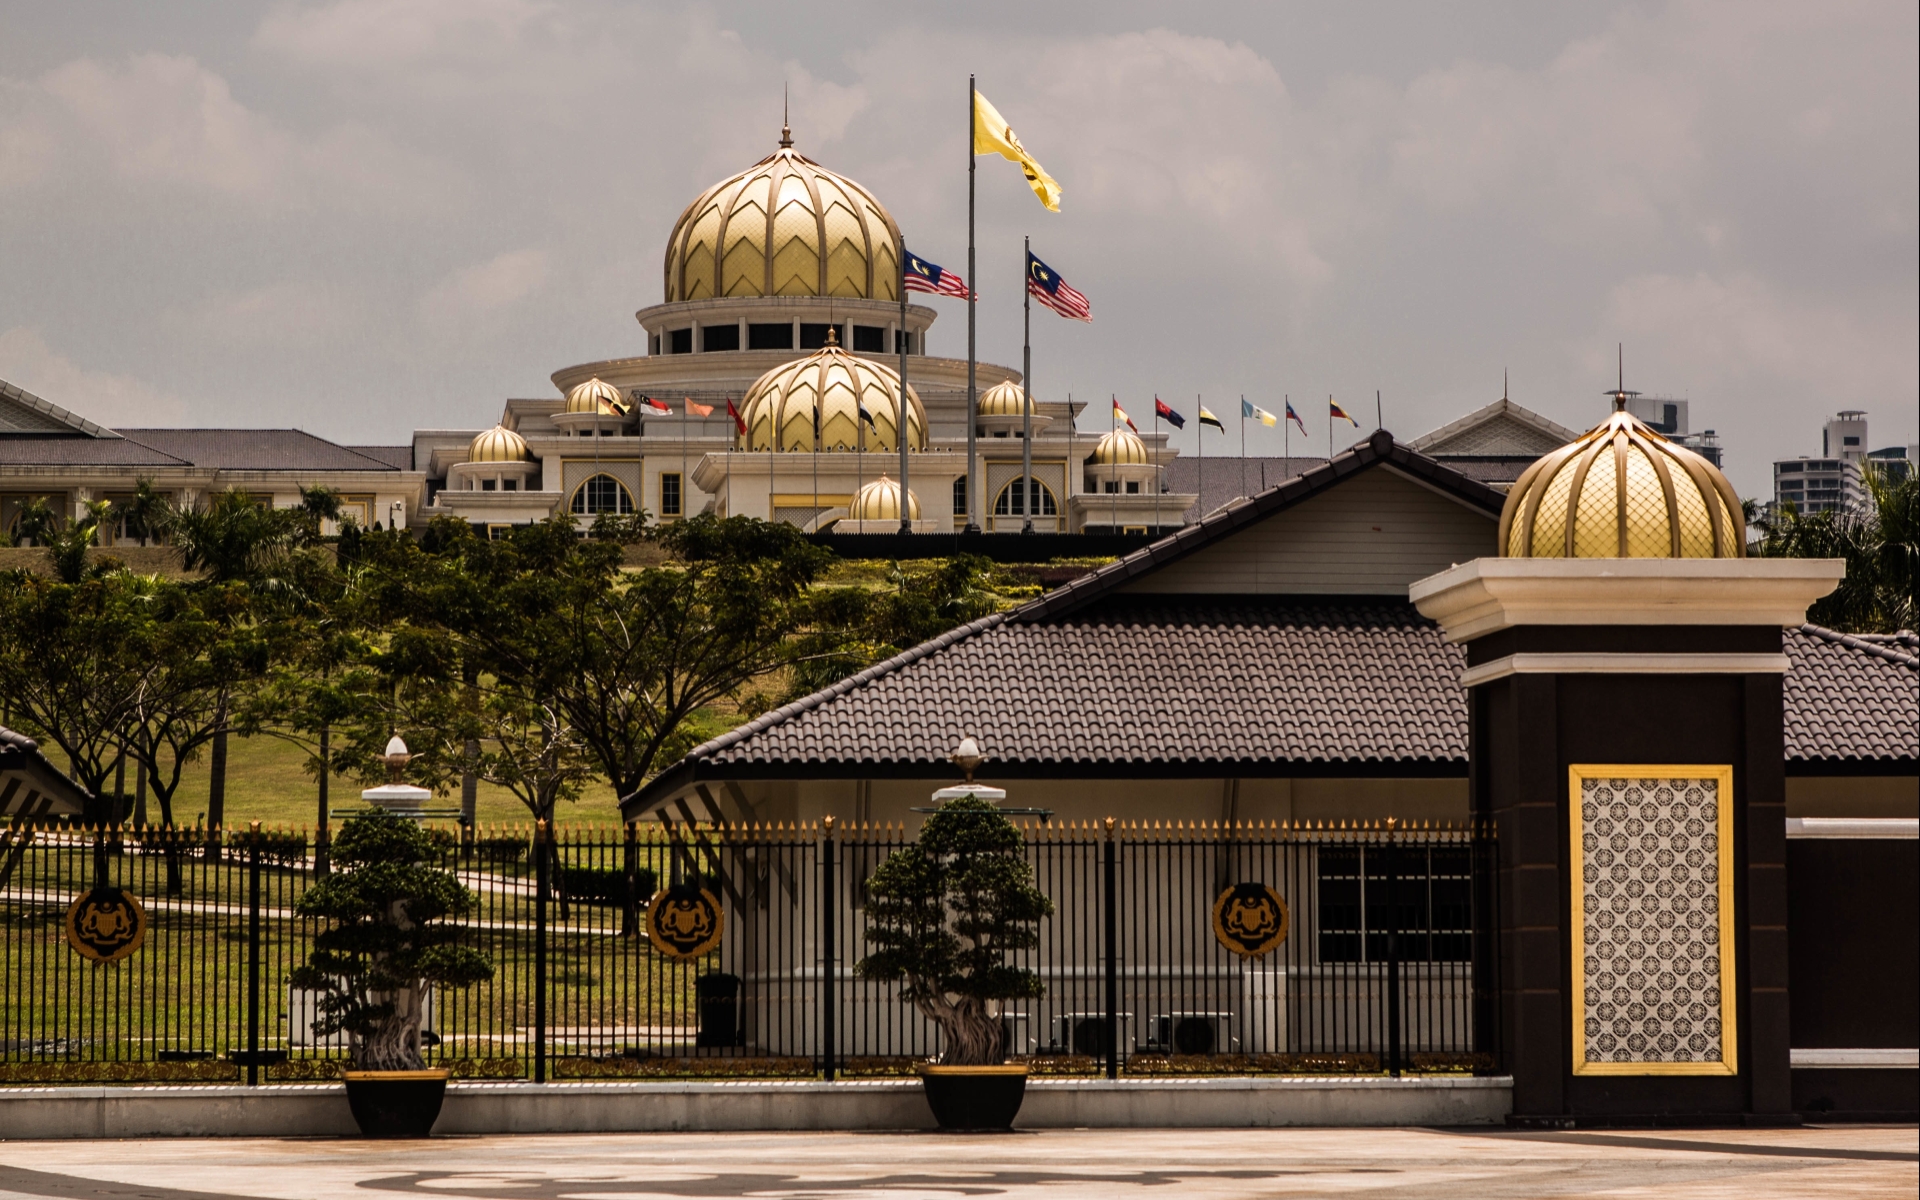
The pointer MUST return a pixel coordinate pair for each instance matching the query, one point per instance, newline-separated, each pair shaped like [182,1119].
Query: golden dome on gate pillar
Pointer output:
[785,226]
[1120,448]
[880,501]
[596,395]
[837,385]
[1002,400]
[498,444]
[1621,490]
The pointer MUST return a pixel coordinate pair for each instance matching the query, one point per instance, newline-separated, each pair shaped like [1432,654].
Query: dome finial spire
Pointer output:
[786,130]
[1620,393]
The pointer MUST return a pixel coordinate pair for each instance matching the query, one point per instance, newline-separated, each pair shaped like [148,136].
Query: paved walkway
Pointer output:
[1187,1164]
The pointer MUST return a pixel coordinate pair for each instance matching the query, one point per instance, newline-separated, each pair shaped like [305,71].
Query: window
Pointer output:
[1133,529]
[960,496]
[656,345]
[813,337]
[670,494]
[720,337]
[1431,903]
[680,341]
[602,494]
[902,341]
[1008,505]
[511,485]
[1133,487]
[869,339]
[1849,441]
[770,337]
[486,485]
[1109,486]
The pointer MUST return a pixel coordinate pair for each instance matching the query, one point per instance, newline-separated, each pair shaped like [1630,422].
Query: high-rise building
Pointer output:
[1832,481]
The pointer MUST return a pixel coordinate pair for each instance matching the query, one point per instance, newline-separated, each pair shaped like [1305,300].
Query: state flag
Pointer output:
[1207,418]
[1165,413]
[1258,413]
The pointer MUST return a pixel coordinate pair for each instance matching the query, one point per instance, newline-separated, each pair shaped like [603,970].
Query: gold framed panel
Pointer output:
[1722,776]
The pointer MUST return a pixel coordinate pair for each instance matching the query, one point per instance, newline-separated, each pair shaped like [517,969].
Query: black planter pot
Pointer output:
[396,1104]
[974,1097]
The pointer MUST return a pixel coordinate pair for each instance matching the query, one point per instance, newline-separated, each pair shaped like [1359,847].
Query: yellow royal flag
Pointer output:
[991,135]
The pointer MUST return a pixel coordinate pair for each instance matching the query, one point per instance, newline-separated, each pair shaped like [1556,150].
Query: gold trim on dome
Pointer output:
[1003,400]
[880,501]
[1122,447]
[1621,490]
[785,226]
[779,408]
[498,444]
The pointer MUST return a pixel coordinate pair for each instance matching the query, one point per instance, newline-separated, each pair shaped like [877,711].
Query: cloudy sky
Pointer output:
[363,216]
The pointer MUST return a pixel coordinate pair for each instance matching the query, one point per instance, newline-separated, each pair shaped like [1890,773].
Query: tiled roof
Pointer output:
[1851,699]
[31,784]
[1378,450]
[257,450]
[58,450]
[23,412]
[400,458]
[1152,680]
[1218,481]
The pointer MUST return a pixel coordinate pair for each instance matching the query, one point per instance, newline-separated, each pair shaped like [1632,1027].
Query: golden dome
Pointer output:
[880,501]
[837,384]
[1620,490]
[1122,447]
[785,226]
[1001,400]
[596,396]
[498,444]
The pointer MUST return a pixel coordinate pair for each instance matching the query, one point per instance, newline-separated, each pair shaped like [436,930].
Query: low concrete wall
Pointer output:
[310,1109]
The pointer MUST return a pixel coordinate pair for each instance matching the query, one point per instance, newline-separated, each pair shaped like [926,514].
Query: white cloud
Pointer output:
[290,313]
[27,361]
[373,36]
[487,289]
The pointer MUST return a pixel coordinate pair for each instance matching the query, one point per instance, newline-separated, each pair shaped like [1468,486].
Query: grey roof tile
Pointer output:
[1851,699]
[257,450]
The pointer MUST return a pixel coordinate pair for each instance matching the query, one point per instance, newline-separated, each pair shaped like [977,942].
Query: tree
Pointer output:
[147,515]
[388,942]
[236,538]
[851,628]
[68,665]
[36,523]
[944,913]
[1879,541]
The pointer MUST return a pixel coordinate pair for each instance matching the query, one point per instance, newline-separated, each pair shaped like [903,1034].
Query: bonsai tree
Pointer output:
[944,913]
[389,940]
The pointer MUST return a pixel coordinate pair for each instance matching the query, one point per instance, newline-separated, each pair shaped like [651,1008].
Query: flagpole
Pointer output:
[1026,392]
[1379,421]
[1066,520]
[1200,452]
[1113,483]
[973,525]
[859,453]
[900,413]
[1286,439]
[1156,465]
[1243,443]
[685,416]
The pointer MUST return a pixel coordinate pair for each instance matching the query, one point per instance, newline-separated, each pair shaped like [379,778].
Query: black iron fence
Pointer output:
[1173,949]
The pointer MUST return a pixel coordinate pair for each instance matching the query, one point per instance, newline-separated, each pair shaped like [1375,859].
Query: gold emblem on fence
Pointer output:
[684,921]
[1250,919]
[105,925]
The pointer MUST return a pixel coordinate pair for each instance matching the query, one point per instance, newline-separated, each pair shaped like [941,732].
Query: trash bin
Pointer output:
[718,995]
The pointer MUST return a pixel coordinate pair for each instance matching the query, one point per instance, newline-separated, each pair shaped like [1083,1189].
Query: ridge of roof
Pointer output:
[807,703]
[52,411]
[1376,450]
[1485,413]
[1874,647]
[204,435]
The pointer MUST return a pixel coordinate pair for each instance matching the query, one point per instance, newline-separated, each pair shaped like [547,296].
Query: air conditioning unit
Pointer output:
[1194,1033]
[1086,1032]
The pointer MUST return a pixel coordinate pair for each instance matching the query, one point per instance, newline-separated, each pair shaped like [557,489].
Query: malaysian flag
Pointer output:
[923,276]
[656,407]
[1045,285]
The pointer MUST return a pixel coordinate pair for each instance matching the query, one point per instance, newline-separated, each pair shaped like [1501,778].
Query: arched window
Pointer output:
[1008,505]
[602,494]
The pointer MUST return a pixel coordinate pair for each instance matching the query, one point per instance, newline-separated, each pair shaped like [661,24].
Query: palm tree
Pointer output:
[148,514]
[1879,542]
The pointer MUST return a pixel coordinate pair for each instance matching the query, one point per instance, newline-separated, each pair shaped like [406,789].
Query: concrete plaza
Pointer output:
[1745,1164]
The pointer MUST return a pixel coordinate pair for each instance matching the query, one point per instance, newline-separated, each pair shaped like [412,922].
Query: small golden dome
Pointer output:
[596,396]
[1621,490]
[1001,400]
[880,501]
[785,226]
[1122,447]
[838,384]
[498,444]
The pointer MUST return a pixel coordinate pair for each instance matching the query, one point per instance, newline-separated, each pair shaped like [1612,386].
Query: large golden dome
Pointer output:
[785,226]
[880,501]
[1003,400]
[498,444]
[1620,490]
[596,395]
[1122,447]
[836,384]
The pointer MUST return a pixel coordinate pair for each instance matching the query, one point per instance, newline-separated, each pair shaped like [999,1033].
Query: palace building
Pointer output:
[781,297]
